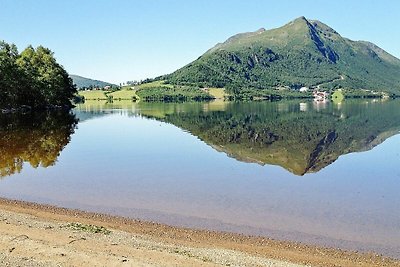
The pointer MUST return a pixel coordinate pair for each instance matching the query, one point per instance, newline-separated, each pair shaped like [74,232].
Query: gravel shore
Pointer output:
[40,235]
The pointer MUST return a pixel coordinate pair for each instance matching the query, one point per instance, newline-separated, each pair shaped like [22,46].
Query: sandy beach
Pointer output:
[40,235]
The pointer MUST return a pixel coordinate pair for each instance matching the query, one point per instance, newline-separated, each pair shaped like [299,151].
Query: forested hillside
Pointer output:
[301,53]
[82,82]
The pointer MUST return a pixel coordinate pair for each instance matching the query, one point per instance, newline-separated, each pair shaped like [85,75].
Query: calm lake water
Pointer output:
[320,173]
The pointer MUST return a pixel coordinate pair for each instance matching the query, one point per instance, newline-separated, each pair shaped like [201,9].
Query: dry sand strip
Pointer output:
[39,235]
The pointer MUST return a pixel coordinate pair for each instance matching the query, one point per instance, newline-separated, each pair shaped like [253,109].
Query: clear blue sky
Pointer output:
[124,40]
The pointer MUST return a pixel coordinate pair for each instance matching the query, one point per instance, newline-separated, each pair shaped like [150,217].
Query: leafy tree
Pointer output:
[33,78]
[9,73]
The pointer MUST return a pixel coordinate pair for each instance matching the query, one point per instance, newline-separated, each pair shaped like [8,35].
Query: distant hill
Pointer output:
[301,53]
[82,82]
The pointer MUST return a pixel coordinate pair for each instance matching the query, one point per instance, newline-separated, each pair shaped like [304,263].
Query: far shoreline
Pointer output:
[256,246]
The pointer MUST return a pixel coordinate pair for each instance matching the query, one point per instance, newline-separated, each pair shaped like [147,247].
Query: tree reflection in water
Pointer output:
[35,138]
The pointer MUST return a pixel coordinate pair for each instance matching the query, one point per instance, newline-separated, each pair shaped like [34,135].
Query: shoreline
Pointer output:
[158,243]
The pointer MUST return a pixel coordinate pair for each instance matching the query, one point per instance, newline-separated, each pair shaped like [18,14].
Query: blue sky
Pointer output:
[124,40]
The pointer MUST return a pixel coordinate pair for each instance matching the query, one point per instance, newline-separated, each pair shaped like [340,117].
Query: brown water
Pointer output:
[320,173]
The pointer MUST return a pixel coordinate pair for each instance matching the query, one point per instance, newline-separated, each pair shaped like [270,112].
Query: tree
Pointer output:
[49,81]
[9,73]
[33,78]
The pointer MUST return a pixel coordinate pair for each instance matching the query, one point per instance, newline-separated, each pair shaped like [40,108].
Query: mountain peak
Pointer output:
[302,18]
[301,53]
[314,25]
[298,21]
[321,27]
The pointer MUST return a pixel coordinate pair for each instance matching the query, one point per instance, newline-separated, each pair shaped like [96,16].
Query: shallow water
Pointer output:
[320,173]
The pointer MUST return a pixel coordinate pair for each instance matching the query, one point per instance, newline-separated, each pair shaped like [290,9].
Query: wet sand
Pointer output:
[37,235]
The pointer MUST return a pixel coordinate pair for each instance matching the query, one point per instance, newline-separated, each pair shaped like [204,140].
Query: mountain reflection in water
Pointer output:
[301,137]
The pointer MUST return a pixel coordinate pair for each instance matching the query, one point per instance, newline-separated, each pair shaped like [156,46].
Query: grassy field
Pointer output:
[218,93]
[93,95]
[124,94]
[154,84]
[153,91]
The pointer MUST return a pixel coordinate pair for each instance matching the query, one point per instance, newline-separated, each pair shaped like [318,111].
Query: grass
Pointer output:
[127,87]
[124,94]
[218,93]
[93,94]
[154,84]
[337,96]
[88,228]
[155,91]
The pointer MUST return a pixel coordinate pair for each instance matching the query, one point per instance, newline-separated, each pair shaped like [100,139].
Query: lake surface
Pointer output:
[319,173]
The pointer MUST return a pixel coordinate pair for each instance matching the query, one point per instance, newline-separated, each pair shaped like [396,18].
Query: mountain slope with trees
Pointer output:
[32,78]
[301,53]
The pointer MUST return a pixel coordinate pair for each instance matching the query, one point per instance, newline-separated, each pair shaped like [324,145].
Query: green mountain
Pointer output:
[301,53]
[82,82]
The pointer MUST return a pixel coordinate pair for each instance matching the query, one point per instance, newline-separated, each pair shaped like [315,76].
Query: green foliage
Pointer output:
[78,99]
[175,94]
[9,74]
[362,94]
[153,84]
[301,53]
[238,93]
[124,94]
[93,94]
[33,78]
[88,228]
